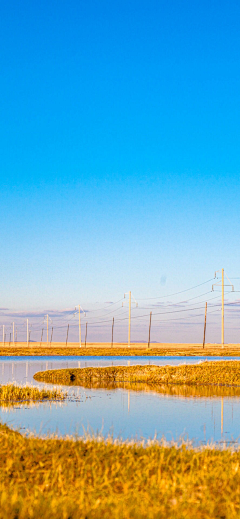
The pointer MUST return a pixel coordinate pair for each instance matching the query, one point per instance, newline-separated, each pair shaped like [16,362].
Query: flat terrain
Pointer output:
[105,349]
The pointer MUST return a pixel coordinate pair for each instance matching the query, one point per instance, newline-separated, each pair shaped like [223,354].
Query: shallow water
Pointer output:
[122,412]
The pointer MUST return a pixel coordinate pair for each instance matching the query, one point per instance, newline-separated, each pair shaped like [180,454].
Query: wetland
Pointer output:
[130,407]
[130,438]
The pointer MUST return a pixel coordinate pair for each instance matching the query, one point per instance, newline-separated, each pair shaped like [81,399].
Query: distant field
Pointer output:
[119,349]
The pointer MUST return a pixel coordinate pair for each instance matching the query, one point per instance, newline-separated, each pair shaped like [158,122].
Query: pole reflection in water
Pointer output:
[221,416]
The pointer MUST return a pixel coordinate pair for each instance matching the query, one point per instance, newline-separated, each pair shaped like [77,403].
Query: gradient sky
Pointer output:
[119,151]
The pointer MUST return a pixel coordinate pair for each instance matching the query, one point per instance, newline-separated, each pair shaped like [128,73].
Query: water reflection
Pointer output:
[186,390]
[127,410]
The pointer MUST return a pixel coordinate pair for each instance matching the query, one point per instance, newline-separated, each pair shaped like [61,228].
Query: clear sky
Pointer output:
[119,151]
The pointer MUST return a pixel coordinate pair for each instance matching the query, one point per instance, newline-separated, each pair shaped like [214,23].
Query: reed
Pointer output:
[11,394]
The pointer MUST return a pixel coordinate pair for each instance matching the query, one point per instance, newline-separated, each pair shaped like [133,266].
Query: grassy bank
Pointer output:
[207,373]
[11,394]
[135,350]
[63,479]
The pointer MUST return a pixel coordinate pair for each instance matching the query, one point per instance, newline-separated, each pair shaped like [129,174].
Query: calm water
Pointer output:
[123,413]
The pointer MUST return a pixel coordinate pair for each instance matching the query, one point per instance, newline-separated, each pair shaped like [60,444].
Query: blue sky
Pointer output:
[119,151]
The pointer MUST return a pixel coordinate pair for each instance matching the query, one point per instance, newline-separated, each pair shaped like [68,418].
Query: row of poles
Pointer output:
[79,308]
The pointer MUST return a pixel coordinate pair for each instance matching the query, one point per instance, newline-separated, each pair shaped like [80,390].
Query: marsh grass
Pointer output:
[93,479]
[10,394]
[204,374]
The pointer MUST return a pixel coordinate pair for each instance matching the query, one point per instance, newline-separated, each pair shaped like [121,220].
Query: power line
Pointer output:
[176,293]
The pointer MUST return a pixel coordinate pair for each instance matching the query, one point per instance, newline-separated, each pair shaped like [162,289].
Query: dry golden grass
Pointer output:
[207,373]
[66,479]
[11,394]
[98,349]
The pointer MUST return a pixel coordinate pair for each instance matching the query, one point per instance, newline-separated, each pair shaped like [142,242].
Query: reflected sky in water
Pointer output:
[122,412]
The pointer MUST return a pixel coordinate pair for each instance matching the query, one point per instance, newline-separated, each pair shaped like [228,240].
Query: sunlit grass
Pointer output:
[11,394]
[63,479]
[206,373]
[181,350]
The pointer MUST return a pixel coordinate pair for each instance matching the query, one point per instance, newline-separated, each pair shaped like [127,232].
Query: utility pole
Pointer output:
[150,322]
[67,334]
[79,323]
[129,315]
[47,329]
[27,332]
[86,336]
[222,308]
[112,331]
[13,335]
[205,322]
[3,334]
[129,321]
[223,285]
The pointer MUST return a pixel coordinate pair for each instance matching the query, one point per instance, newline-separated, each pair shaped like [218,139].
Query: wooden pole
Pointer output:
[112,331]
[47,330]
[150,322]
[13,335]
[67,334]
[205,322]
[51,336]
[86,336]
[129,321]
[80,338]
[222,308]
[27,333]
[3,335]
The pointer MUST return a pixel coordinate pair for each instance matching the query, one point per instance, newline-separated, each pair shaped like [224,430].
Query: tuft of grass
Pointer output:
[207,373]
[11,394]
[63,479]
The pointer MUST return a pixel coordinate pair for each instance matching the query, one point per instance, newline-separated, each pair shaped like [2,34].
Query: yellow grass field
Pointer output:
[96,479]
[118,349]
